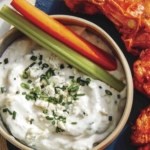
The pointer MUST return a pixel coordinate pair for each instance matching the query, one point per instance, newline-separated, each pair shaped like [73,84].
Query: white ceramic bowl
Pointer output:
[14,34]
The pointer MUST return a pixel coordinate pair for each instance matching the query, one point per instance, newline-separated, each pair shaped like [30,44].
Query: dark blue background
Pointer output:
[140,101]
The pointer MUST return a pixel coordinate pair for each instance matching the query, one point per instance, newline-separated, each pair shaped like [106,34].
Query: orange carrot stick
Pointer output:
[63,34]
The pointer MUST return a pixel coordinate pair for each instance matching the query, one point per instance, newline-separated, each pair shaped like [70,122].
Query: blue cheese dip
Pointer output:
[48,104]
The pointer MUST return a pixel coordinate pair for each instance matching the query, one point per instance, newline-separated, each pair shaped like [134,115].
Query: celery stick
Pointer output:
[59,49]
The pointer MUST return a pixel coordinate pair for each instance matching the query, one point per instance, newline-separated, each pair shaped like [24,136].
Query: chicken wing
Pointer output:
[141,129]
[141,69]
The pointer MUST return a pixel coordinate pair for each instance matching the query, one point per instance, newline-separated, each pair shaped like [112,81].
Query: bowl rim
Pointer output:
[129,100]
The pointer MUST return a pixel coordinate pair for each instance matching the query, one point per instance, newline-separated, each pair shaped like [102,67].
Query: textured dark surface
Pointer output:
[122,142]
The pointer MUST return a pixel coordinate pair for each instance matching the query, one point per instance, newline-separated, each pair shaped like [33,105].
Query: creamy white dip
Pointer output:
[49,105]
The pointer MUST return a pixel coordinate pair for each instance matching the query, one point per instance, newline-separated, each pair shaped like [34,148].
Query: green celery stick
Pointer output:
[59,49]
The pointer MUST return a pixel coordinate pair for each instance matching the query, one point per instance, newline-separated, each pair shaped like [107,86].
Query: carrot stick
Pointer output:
[63,34]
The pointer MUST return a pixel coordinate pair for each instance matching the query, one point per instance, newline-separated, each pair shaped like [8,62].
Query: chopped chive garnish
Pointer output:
[108,92]
[14,78]
[73,80]
[62,66]
[100,87]
[7,110]
[34,94]
[17,92]
[0,62]
[49,118]
[29,81]
[61,98]
[51,71]
[10,112]
[53,122]
[50,99]
[25,75]
[3,89]
[54,113]
[44,96]
[47,81]
[70,102]
[37,90]
[33,58]
[83,82]
[30,66]
[118,96]
[24,85]
[28,97]
[74,97]
[31,121]
[14,115]
[6,61]
[64,120]
[40,57]
[74,89]
[71,86]
[23,93]
[63,104]
[42,86]
[70,66]
[88,80]
[80,81]
[45,78]
[45,111]
[71,77]
[84,113]
[40,63]
[73,123]
[79,94]
[45,65]
[59,130]
[63,88]
[110,118]
[61,118]
[48,74]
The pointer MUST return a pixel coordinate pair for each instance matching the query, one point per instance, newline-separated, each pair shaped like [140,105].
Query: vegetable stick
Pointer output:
[59,49]
[63,34]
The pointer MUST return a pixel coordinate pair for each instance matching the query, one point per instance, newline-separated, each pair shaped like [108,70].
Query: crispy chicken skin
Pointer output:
[141,69]
[141,130]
